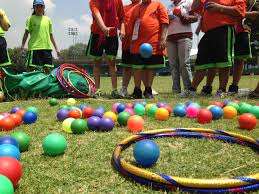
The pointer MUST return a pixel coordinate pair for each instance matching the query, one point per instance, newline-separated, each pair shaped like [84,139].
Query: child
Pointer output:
[4,26]
[179,43]
[108,17]
[41,36]
[149,23]
[126,55]
[216,48]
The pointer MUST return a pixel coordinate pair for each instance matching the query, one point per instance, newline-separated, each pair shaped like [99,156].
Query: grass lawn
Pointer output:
[86,167]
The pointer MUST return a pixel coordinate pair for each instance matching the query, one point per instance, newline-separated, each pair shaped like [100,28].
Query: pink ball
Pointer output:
[192,111]
[5,114]
[114,107]
[130,111]
[129,105]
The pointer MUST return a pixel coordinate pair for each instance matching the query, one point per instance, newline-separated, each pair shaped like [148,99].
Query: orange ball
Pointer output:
[7,124]
[229,112]
[135,124]
[17,119]
[75,113]
[162,114]
[21,112]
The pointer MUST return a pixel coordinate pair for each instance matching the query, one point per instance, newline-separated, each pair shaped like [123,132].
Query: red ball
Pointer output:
[88,112]
[74,113]
[7,124]
[169,109]
[236,101]
[17,119]
[218,104]
[21,112]
[135,124]
[177,11]
[204,116]
[11,168]
[247,121]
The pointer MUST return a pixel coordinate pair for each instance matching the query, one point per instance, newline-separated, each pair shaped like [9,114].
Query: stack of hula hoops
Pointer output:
[223,185]
[64,76]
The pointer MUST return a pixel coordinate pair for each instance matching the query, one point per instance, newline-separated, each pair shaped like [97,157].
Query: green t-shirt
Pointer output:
[2,32]
[40,29]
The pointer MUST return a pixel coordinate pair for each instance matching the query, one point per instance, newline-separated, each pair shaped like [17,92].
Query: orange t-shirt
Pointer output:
[95,7]
[128,9]
[211,20]
[151,16]
[239,27]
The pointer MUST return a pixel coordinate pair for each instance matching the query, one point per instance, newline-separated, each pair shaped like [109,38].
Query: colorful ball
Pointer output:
[114,107]
[17,119]
[23,140]
[226,103]
[146,50]
[235,105]
[75,113]
[21,112]
[79,126]
[6,185]
[10,150]
[139,109]
[7,124]
[146,153]
[29,117]
[245,108]
[162,114]
[63,107]
[188,103]
[219,104]
[93,123]
[204,116]
[53,102]
[123,118]
[130,111]
[152,111]
[111,115]
[255,111]
[209,107]
[196,105]
[161,104]
[247,121]
[143,103]
[236,101]
[106,124]
[229,112]
[62,114]
[71,102]
[180,111]
[71,107]
[129,105]
[169,109]
[192,111]
[9,140]
[99,112]
[217,112]
[15,109]
[120,108]
[88,112]
[32,109]
[149,105]
[135,124]
[82,107]
[54,144]
[11,168]
[66,125]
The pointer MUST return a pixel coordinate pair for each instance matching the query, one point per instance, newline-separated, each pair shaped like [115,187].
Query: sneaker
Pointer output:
[221,93]
[232,90]
[154,92]
[254,94]
[137,94]
[206,91]
[148,93]
[124,92]
[187,94]
[98,93]
[115,94]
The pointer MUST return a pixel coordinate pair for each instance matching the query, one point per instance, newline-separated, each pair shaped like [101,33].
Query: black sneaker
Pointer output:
[206,91]
[233,90]
[148,93]
[137,94]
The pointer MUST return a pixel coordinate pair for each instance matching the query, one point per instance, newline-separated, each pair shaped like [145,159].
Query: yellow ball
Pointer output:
[229,112]
[149,105]
[71,102]
[111,115]
[210,106]
[162,114]
[66,125]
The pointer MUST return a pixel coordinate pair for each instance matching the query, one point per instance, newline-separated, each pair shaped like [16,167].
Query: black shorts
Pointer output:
[153,62]
[39,59]
[4,55]
[110,47]
[216,49]
[242,46]
[126,59]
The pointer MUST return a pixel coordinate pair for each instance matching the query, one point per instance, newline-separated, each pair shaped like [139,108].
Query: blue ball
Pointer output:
[143,103]
[71,107]
[9,140]
[180,111]
[121,107]
[217,112]
[82,106]
[10,150]
[146,153]
[146,50]
[15,109]
[29,117]
[188,103]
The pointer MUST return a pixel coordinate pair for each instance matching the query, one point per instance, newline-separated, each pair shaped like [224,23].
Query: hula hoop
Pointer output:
[222,185]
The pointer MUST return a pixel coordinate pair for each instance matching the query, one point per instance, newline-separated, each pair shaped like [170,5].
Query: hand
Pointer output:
[107,30]
[162,44]
[122,34]
[212,6]
[252,14]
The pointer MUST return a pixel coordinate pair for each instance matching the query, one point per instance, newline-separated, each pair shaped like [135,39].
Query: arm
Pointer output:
[24,39]
[54,44]
[196,4]
[163,33]
[252,14]
[122,31]
[4,22]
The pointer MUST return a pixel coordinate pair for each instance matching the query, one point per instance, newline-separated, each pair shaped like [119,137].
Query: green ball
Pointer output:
[123,118]
[245,108]
[255,111]
[6,185]
[53,102]
[152,111]
[63,107]
[54,144]
[32,109]
[235,105]
[139,110]
[79,126]
[196,105]
[23,140]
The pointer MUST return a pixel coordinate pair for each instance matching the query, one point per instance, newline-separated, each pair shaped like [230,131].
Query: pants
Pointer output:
[179,59]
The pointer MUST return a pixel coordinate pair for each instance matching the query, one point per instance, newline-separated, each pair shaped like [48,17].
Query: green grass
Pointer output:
[86,167]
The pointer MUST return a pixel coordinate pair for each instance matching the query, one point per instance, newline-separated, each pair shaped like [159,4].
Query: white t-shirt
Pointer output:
[176,26]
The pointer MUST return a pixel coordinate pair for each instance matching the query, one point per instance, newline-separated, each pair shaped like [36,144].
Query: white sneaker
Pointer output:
[187,94]
[154,92]
[124,92]
[220,94]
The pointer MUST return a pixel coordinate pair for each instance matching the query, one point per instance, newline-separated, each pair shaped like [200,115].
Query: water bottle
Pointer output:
[243,92]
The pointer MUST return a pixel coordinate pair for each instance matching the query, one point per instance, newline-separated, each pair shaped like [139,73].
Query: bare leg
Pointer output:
[127,73]
[138,77]
[211,76]
[97,73]
[237,71]
[223,78]
[198,77]
[112,71]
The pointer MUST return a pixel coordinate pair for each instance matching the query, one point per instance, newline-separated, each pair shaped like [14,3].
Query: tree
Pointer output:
[17,59]
[74,52]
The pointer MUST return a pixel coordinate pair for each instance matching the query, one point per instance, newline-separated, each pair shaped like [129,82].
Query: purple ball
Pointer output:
[99,112]
[9,140]
[15,109]
[106,124]
[82,106]
[226,103]
[62,114]
[161,104]
[93,123]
